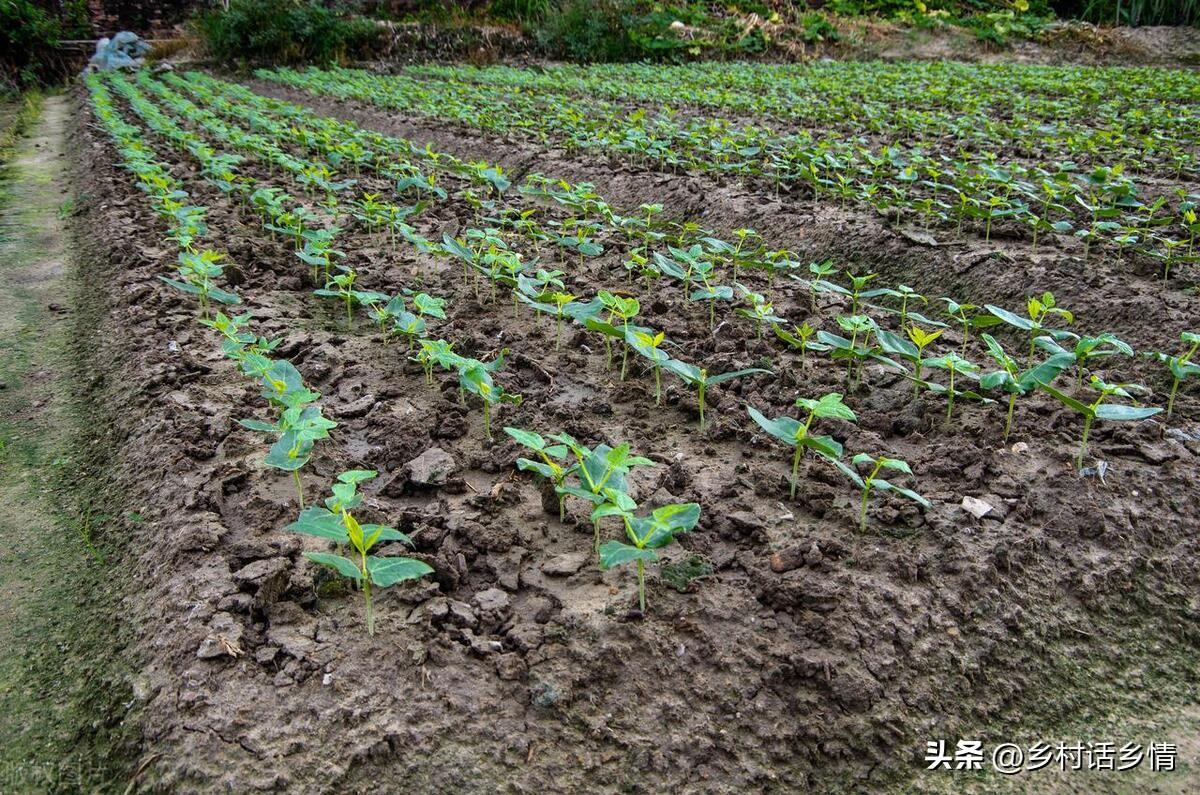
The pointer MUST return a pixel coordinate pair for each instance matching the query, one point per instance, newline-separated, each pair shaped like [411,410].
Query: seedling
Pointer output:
[647,344]
[873,481]
[624,310]
[334,522]
[197,270]
[549,467]
[955,365]
[700,379]
[796,434]
[299,427]
[1086,349]
[1040,311]
[760,311]
[1013,381]
[1181,366]
[799,337]
[476,377]
[341,286]
[1099,410]
[600,471]
[646,534]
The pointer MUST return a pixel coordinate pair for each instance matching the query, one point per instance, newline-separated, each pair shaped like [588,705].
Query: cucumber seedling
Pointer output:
[872,482]
[197,270]
[645,534]
[699,378]
[550,467]
[796,434]
[1181,366]
[333,521]
[1013,381]
[1099,410]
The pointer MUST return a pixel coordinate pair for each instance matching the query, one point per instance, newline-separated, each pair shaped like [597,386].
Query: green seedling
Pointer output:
[1013,381]
[873,481]
[475,377]
[549,467]
[760,311]
[796,434]
[1040,311]
[955,365]
[341,287]
[800,338]
[299,427]
[1099,410]
[822,271]
[1181,366]
[600,471]
[620,311]
[334,522]
[1085,350]
[646,343]
[197,270]
[699,378]
[645,534]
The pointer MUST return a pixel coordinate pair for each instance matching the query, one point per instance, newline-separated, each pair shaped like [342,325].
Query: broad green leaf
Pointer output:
[615,553]
[342,566]
[389,571]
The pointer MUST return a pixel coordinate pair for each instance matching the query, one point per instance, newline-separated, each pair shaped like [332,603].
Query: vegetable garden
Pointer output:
[688,428]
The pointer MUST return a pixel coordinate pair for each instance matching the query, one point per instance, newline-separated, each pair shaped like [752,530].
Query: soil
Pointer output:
[810,657]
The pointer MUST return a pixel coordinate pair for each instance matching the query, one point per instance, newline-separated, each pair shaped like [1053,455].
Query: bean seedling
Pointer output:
[334,522]
[873,481]
[796,434]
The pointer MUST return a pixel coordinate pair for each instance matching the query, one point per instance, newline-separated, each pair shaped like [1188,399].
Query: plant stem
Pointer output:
[1087,427]
[299,487]
[1171,399]
[1012,402]
[862,512]
[641,570]
[657,386]
[795,468]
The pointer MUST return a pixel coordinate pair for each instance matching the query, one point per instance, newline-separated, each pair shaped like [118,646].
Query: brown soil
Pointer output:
[812,657]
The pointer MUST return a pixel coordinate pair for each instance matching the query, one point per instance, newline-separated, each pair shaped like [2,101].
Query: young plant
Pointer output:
[1013,381]
[955,365]
[1181,366]
[761,311]
[341,287]
[646,343]
[197,270]
[1040,311]
[620,311]
[549,467]
[335,522]
[699,378]
[1099,410]
[872,481]
[645,534]
[600,471]
[475,377]
[796,434]
[300,426]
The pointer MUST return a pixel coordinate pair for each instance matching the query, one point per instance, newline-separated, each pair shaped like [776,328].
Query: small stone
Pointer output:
[265,654]
[565,565]
[1020,447]
[327,679]
[483,646]
[976,507]
[432,467]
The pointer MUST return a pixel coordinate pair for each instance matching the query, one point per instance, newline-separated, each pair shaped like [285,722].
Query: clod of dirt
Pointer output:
[224,638]
[565,565]
[432,467]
